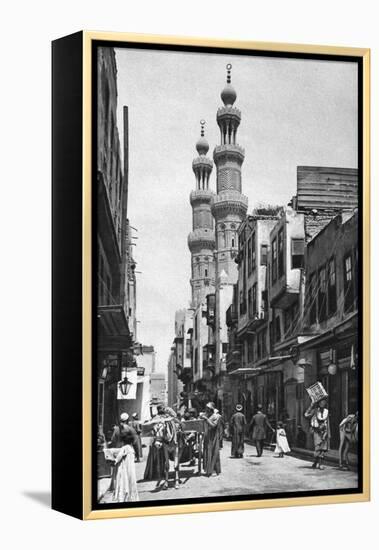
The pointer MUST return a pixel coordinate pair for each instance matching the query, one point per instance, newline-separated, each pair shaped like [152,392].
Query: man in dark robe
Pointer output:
[221,428]
[211,440]
[124,430]
[136,425]
[155,463]
[258,426]
[237,427]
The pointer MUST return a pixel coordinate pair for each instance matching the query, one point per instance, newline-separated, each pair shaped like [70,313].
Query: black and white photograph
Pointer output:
[227,275]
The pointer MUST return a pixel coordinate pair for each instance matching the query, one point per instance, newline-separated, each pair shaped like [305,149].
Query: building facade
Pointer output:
[114,260]
[331,316]
[158,391]
[116,330]
[293,318]
[248,316]
[179,368]
[174,385]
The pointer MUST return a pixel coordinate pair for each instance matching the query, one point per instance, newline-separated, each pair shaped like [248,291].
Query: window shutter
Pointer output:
[297,247]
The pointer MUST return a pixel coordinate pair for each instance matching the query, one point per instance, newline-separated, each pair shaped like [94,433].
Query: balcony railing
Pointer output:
[233,359]
[231,315]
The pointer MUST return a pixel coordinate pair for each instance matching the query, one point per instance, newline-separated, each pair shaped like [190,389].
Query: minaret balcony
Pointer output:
[227,152]
[229,113]
[202,162]
[229,202]
[200,239]
[201,196]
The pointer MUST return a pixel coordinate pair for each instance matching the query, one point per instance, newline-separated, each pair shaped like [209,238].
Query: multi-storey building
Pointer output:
[183,344]
[174,385]
[331,316]
[179,368]
[116,280]
[322,193]
[158,391]
[248,315]
[275,356]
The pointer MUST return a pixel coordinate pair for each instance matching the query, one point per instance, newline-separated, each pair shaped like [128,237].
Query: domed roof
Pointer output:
[202,146]
[228,95]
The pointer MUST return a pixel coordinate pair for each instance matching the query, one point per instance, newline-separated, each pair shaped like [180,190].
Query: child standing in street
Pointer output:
[281,441]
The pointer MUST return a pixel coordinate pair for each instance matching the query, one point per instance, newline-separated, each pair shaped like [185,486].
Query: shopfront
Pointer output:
[338,372]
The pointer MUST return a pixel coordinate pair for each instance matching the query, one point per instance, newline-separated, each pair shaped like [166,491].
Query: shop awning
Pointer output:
[113,329]
[247,370]
[344,329]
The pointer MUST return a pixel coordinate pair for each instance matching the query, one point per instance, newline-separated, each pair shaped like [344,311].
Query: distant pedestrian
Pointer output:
[136,424]
[211,440]
[221,427]
[237,428]
[282,446]
[258,426]
[319,424]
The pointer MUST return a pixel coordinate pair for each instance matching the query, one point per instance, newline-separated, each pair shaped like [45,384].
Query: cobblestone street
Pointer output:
[250,475]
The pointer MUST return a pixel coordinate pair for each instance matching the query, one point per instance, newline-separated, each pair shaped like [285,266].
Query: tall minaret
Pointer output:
[201,241]
[229,206]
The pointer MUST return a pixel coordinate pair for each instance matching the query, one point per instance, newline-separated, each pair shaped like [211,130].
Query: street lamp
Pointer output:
[125,385]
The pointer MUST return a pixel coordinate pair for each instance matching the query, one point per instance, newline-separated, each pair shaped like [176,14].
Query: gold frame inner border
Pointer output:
[88,512]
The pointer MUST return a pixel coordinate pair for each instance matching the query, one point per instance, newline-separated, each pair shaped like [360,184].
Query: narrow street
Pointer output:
[250,475]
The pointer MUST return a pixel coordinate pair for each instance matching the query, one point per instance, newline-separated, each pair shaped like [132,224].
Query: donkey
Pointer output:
[169,436]
[348,435]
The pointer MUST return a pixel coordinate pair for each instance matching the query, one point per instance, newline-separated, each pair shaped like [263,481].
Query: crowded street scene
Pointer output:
[256,472]
[228,359]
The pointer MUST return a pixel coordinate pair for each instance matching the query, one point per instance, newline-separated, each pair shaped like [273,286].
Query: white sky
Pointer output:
[294,112]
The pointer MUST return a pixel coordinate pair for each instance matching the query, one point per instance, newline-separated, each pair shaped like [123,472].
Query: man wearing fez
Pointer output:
[237,428]
[258,426]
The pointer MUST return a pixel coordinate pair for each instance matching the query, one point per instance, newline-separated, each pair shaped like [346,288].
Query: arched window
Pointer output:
[222,236]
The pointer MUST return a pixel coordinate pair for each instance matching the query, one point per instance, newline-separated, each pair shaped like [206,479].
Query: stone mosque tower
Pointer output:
[229,206]
[201,241]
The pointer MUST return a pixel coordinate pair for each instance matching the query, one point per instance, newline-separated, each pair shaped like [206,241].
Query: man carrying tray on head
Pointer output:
[319,423]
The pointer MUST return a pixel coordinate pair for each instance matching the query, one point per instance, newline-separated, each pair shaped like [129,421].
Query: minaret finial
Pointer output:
[228,73]
[228,94]
[202,124]
[202,146]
